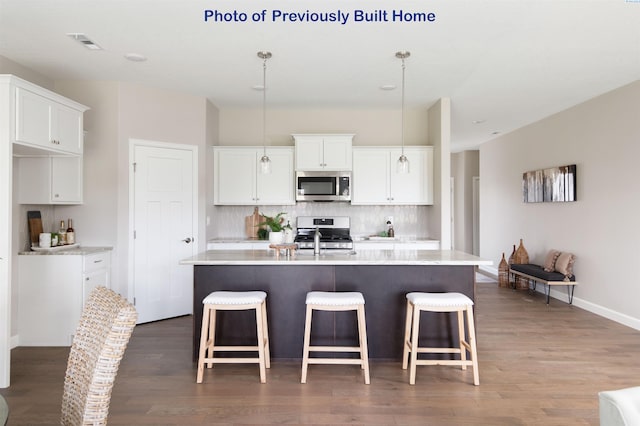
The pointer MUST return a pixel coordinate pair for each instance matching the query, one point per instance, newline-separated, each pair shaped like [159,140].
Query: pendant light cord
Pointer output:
[402,132]
[264,106]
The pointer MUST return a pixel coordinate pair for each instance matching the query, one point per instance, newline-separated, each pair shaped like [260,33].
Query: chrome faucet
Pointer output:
[316,241]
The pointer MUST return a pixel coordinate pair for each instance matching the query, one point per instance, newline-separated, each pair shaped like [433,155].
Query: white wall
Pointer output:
[464,167]
[371,126]
[439,223]
[600,136]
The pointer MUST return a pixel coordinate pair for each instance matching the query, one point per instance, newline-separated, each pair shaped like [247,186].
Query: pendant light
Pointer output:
[403,161]
[265,161]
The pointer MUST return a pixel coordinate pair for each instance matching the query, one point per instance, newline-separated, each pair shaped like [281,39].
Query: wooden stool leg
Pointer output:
[461,338]
[305,349]
[267,352]
[260,332]
[211,342]
[472,344]
[364,351]
[407,335]
[415,332]
[203,344]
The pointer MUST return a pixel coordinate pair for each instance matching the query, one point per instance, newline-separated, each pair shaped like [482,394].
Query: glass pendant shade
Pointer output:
[402,165]
[265,164]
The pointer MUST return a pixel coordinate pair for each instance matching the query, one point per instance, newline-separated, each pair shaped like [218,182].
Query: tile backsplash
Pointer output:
[409,221]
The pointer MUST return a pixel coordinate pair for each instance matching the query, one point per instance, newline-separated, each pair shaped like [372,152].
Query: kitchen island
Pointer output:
[383,277]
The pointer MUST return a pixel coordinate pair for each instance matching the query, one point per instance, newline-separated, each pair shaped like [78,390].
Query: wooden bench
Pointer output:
[537,274]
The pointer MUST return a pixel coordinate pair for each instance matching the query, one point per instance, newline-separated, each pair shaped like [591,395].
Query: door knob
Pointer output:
[187,240]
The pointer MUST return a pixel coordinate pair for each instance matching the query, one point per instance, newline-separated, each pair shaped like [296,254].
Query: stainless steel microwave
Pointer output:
[323,186]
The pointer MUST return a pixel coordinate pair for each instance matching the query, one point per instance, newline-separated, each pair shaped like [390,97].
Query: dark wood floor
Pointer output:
[539,365]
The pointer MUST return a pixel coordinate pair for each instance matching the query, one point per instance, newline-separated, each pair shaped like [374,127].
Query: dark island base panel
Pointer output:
[384,289]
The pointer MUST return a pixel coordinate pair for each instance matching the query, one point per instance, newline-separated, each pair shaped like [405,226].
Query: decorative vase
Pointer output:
[288,236]
[276,237]
[503,273]
[512,258]
[522,257]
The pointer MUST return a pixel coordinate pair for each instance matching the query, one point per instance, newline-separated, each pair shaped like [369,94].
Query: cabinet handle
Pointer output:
[56,196]
[97,261]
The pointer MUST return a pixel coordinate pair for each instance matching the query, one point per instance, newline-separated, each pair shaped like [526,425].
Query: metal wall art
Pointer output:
[555,184]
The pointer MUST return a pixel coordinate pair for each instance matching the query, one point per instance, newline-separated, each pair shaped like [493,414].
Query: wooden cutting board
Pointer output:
[35,226]
[251,224]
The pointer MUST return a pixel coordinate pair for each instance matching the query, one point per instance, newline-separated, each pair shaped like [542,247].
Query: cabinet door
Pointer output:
[276,187]
[34,180]
[415,187]
[370,176]
[91,280]
[309,153]
[66,128]
[408,188]
[33,119]
[66,180]
[235,176]
[49,299]
[337,153]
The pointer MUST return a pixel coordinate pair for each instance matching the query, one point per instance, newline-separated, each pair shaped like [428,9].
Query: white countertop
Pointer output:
[74,251]
[400,239]
[377,257]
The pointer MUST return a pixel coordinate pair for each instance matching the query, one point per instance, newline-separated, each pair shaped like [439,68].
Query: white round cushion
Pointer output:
[441,300]
[235,297]
[335,298]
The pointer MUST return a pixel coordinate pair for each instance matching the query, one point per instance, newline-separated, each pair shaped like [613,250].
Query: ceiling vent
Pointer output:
[84,40]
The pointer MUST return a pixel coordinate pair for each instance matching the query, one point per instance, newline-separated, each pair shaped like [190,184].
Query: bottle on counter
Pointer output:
[62,234]
[71,234]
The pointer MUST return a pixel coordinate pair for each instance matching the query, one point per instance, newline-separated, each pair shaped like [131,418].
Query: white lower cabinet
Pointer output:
[52,290]
[397,245]
[238,245]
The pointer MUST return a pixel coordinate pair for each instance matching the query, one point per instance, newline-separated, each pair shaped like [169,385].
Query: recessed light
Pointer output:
[388,87]
[495,133]
[135,57]
[84,40]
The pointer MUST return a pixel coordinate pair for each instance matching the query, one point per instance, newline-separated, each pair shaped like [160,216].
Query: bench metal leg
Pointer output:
[570,289]
[547,291]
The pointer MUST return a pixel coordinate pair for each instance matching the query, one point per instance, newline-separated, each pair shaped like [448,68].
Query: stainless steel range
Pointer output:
[335,232]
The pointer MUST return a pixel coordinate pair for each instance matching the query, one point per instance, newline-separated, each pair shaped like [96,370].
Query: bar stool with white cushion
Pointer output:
[439,302]
[233,301]
[336,301]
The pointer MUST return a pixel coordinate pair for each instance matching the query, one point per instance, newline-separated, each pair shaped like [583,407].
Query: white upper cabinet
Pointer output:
[323,152]
[238,181]
[50,180]
[47,124]
[377,181]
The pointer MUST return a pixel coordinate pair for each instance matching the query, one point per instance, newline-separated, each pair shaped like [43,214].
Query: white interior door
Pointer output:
[164,231]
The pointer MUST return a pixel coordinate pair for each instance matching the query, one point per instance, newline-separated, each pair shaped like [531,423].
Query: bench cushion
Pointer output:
[539,272]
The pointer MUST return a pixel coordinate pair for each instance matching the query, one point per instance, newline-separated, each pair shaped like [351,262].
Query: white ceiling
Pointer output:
[509,62]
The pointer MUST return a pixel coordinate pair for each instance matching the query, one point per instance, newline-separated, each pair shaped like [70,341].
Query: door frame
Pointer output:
[133,143]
